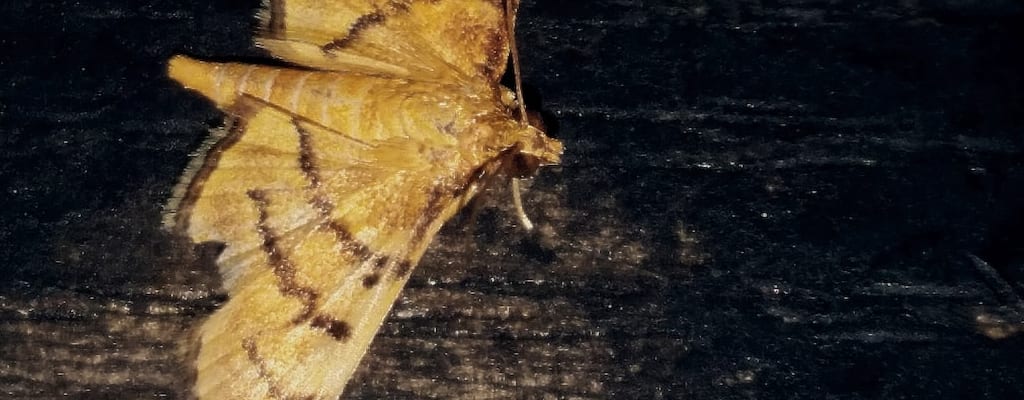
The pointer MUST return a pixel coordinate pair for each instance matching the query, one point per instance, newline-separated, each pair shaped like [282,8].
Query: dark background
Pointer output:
[760,199]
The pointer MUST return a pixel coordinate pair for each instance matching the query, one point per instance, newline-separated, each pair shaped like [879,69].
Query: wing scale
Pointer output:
[452,40]
[332,179]
[305,272]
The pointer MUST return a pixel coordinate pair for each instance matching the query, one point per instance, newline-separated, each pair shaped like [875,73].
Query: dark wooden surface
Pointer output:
[760,199]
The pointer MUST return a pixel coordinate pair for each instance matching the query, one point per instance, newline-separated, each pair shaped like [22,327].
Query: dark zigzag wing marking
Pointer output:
[339,330]
[323,204]
[325,207]
[283,268]
[307,162]
[285,272]
[364,23]
[493,48]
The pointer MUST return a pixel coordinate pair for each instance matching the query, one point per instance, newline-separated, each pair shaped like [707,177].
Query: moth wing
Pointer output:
[449,40]
[321,232]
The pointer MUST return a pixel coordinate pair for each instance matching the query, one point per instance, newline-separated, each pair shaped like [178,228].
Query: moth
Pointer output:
[335,172]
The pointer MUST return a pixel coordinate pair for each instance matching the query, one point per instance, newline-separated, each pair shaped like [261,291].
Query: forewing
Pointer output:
[450,40]
[321,232]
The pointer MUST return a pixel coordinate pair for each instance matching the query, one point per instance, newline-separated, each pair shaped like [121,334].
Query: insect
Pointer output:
[333,175]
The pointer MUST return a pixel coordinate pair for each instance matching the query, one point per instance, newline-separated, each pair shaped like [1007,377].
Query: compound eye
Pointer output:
[523,165]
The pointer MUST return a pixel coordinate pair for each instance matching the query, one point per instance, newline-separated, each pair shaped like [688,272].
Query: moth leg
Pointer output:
[475,205]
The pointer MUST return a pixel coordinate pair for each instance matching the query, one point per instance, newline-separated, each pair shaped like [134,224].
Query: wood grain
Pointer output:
[766,200]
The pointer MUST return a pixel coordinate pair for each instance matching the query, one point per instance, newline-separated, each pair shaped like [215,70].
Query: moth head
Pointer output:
[532,150]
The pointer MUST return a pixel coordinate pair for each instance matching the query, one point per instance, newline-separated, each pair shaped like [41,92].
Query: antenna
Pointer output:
[510,25]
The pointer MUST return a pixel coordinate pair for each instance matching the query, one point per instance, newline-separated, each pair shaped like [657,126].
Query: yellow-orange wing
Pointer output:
[449,40]
[332,180]
[322,230]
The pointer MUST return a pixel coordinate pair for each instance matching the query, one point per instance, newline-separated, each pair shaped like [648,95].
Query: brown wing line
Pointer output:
[319,200]
[323,322]
[274,390]
[363,23]
[275,25]
[185,194]
[285,273]
[208,157]
[283,268]
[487,51]
[314,313]
[325,207]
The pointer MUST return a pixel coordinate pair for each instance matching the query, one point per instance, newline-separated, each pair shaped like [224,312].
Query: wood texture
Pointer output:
[766,200]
